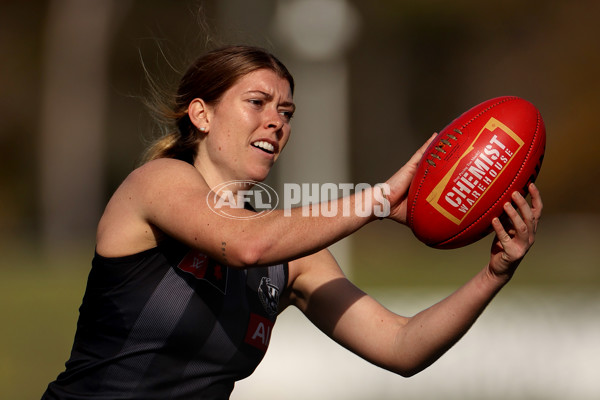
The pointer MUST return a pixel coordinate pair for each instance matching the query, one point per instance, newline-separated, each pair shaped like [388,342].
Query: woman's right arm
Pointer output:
[167,196]
[170,196]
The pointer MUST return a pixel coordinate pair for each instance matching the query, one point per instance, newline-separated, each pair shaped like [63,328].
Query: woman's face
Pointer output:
[247,129]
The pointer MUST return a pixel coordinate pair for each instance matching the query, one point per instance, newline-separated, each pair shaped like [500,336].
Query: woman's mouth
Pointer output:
[264,146]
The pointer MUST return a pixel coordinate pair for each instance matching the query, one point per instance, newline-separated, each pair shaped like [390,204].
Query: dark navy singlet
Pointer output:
[169,323]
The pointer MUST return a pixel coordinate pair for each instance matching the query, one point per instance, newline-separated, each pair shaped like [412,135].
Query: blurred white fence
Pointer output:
[527,345]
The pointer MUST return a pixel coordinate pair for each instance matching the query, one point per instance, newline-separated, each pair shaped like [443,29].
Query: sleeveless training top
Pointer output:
[169,323]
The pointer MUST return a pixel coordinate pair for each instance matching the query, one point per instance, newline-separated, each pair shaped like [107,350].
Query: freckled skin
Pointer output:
[257,108]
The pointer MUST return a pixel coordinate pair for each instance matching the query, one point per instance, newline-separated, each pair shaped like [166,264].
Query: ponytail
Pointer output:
[178,136]
[180,143]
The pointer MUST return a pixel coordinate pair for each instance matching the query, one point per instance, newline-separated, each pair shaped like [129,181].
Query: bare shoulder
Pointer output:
[124,227]
[164,170]
[156,179]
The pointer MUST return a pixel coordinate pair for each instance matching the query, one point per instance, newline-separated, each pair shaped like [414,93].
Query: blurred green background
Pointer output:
[413,66]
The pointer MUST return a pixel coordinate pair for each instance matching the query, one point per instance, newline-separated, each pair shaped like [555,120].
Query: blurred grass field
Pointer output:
[563,255]
[40,299]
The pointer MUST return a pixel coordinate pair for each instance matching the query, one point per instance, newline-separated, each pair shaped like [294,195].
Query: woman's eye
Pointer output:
[287,114]
[256,102]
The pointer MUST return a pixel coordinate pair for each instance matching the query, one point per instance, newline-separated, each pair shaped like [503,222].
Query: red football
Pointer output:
[471,169]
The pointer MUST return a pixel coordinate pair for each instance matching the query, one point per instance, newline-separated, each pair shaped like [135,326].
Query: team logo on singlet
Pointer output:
[259,328]
[205,268]
[268,295]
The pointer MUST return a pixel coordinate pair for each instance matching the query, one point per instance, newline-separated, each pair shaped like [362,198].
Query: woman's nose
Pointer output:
[274,120]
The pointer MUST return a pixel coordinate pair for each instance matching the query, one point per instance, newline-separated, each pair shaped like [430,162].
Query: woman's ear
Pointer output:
[198,111]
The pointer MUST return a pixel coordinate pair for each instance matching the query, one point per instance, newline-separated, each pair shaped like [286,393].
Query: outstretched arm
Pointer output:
[169,196]
[407,345]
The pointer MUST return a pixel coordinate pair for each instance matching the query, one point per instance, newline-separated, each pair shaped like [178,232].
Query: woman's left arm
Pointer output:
[407,345]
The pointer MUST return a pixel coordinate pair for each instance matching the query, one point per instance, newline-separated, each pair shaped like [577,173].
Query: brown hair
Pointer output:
[208,78]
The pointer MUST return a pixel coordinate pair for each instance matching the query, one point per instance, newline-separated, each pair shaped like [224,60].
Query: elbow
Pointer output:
[411,355]
[408,365]
[245,255]
[247,258]
[407,371]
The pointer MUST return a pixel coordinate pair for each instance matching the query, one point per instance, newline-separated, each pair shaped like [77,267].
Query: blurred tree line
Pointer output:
[414,67]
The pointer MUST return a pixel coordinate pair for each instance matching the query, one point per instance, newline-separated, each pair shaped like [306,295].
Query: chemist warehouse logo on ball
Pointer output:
[476,171]
[229,197]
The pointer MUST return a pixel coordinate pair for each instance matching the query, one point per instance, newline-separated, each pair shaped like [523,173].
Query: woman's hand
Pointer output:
[400,182]
[510,245]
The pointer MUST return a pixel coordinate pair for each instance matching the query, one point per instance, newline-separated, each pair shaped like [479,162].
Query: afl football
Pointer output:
[470,170]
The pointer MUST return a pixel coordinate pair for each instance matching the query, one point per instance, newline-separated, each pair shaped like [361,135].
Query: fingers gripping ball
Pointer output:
[471,169]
